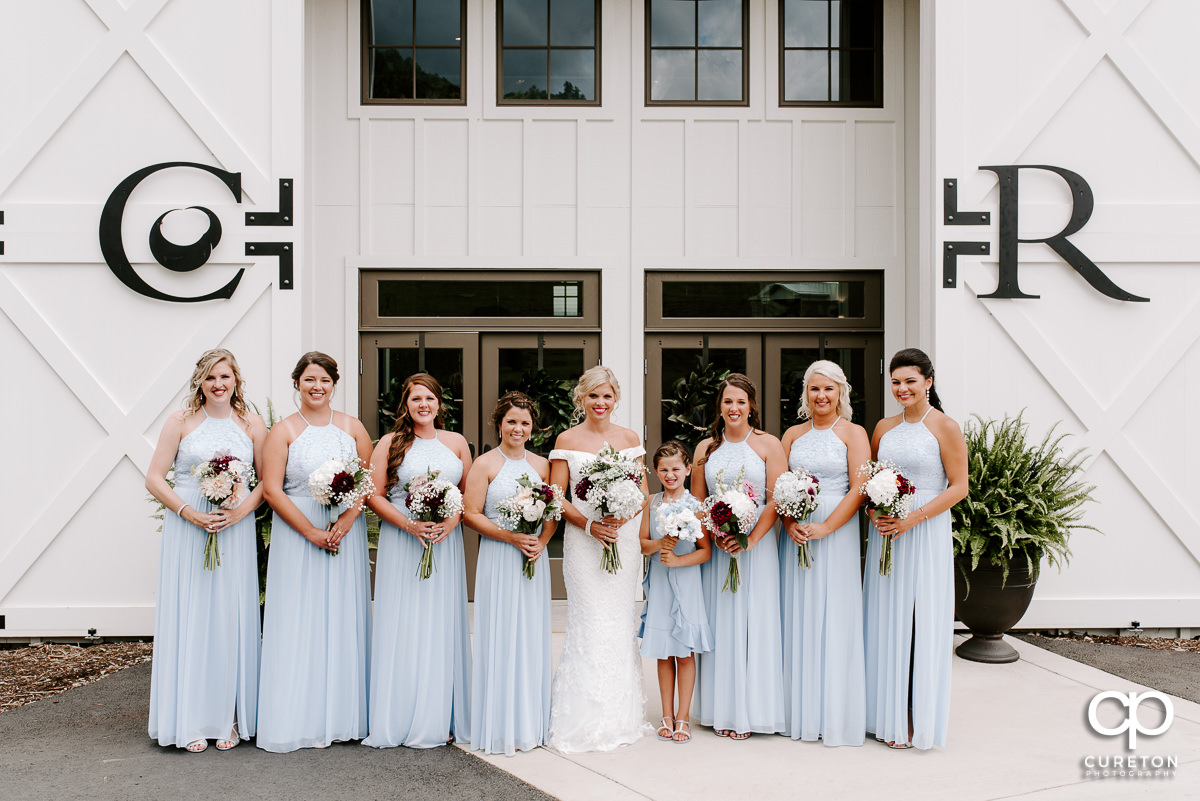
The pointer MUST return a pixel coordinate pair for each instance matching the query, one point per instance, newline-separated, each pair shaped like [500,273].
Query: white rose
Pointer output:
[881,488]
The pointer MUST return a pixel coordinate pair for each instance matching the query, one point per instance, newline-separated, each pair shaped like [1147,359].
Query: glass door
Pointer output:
[787,357]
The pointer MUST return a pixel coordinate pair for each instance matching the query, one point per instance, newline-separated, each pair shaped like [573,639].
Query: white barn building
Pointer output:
[493,187]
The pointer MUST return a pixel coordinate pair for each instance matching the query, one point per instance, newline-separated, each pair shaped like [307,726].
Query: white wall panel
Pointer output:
[604,164]
[553,162]
[823,188]
[392,157]
[501,163]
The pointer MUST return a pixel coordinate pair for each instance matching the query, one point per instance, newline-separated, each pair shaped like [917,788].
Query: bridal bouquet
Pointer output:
[431,500]
[612,486]
[225,481]
[340,482]
[732,510]
[678,520]
[527,508]
[888,492]
[796,497]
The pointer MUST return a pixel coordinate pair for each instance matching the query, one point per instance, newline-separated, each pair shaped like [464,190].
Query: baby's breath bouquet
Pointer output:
[432,500]
[795,496]
[225,481]
[611,486]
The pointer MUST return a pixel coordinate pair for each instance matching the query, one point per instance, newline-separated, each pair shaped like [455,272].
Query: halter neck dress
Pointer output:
[674,621]
[739,683]
[821,606]
[205,667]
[316,630]
[510,683]
[421,653]
[909,614]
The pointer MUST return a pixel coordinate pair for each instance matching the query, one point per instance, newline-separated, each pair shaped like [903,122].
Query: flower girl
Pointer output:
[674,623]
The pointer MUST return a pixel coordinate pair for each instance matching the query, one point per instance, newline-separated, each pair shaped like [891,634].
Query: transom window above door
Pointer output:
[413,51]
[697,52]
[548,52]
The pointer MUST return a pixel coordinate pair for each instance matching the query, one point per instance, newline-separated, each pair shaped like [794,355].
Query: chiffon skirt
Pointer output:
[909,632]
[316,646]
[739,684]
[510,684]
[824,677]
[421,657]
[674,622]
[205,669]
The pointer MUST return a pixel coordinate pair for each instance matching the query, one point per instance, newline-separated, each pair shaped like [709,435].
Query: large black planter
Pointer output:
[989,610]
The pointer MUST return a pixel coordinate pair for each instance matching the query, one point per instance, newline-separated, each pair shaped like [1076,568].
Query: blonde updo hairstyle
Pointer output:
[592,378]
[204,365]
[835,374]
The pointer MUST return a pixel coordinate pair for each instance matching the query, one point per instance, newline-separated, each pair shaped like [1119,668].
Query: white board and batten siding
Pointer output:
[92,91]
[1107,90]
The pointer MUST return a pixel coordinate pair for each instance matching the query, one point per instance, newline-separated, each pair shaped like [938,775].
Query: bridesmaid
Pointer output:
[510,686]
[910,613]
[823,672]
[318,608]
[204,681]
[741,680]
[421,656]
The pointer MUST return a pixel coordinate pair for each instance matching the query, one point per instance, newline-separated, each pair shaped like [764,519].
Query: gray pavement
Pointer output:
[1172,672]
[90,743]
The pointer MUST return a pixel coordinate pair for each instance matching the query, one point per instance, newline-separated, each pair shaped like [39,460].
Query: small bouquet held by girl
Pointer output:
[732,510]
[340,482]
[678,520]
[888,493]
[225,481]
[796,497]
[432,500]
[528,508]
[612,487]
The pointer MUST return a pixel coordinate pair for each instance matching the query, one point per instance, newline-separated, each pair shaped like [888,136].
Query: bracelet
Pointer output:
[181,508]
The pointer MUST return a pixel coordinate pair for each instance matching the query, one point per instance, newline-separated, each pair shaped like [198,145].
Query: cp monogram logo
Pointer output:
[1132,723]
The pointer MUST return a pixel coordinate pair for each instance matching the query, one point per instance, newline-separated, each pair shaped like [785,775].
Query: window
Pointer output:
[696,52]
[548,52]
[831,52]
[413,51]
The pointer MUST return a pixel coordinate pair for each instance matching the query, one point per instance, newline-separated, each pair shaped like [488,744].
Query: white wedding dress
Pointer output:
[596,702]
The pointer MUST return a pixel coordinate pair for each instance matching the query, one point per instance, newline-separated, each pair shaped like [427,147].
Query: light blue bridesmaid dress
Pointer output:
[910,613]
[421,658]
[510,684]
[823,672]
[316,646]
[205,671]
[674,621]
[739,684]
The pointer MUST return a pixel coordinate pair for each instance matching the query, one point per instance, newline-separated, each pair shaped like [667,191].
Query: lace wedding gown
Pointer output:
[596,703]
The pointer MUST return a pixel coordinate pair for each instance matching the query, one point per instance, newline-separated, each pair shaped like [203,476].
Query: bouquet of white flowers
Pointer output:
[340,482]
[796,497]
[611,485]
[678,520]
[527,508]
[225,481]
[432,500]
[732,510]
[889,493]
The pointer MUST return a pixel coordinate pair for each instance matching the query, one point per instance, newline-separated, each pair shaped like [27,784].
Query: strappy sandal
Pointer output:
[899,746]
[234,739]
[687,735]
[722,732]
[197,746]
[667,727]
[740,735]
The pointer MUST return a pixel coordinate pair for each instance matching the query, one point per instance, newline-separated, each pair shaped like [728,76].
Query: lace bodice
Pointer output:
[822,453]
[203,442]
[916,451]
[424,454]
[504,485]
[315,446]
[731,457]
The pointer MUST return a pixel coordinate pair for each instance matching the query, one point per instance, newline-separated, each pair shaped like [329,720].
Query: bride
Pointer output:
[596,701]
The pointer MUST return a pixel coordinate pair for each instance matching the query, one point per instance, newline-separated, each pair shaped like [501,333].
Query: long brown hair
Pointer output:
[716,429]
[914,357]
[204,365]
[402,432]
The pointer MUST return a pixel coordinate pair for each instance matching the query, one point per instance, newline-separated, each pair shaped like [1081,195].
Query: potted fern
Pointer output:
[1024,501]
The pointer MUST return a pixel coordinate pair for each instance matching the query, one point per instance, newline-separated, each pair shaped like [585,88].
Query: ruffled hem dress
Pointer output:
[316,629]
[674,621]
[204,675]
[739,683]
[824,676]
[421,654]
[909,614]
[510,683]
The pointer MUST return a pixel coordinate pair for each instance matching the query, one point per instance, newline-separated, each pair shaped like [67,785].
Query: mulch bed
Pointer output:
[1153,643]
[31,673]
